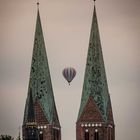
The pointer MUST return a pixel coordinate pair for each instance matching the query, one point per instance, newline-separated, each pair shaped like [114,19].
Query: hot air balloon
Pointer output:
[69,73]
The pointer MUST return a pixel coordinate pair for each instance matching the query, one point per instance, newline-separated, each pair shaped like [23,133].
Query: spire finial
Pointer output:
[94,1]
[37,4]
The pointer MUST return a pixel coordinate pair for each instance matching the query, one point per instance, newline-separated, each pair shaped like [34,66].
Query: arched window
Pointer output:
[109,134]
[55,134]
[41,135]
[31,133]
[86,135]
[54,138]
[96,135]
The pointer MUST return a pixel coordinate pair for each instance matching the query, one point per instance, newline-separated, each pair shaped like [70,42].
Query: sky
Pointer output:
[66,28]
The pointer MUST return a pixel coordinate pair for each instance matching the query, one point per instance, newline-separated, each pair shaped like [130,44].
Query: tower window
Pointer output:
[31,133]
[109,133]
[86,134]
[96,134]
[56,134]
[40,135]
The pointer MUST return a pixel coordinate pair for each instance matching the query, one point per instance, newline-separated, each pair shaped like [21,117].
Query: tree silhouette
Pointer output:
[6,137]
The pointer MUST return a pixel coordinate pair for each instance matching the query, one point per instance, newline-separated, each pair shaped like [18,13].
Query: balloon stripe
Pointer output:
[69,74]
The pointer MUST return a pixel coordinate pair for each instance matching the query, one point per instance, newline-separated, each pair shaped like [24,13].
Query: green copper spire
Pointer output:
[95,83]
[40,80]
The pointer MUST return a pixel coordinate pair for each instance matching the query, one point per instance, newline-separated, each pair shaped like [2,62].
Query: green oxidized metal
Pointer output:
[40,80]
[95,83]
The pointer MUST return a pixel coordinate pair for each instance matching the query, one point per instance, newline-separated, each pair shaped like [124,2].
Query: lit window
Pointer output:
[86,134]
[96,134]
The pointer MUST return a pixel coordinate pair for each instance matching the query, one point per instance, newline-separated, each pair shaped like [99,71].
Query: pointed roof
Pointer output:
[40,80]
[91,112]
[95,82]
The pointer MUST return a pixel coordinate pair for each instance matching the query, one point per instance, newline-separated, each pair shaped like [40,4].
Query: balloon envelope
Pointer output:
[69,74]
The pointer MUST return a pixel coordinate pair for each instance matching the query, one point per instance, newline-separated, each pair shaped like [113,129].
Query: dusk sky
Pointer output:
[66,28]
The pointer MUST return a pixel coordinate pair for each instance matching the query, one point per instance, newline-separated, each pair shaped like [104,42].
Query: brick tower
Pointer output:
[95,118]
[40,117]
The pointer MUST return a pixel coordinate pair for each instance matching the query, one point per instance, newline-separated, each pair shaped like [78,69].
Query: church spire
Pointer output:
[95,118]
[40,80]
[40,116]
[95,82]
